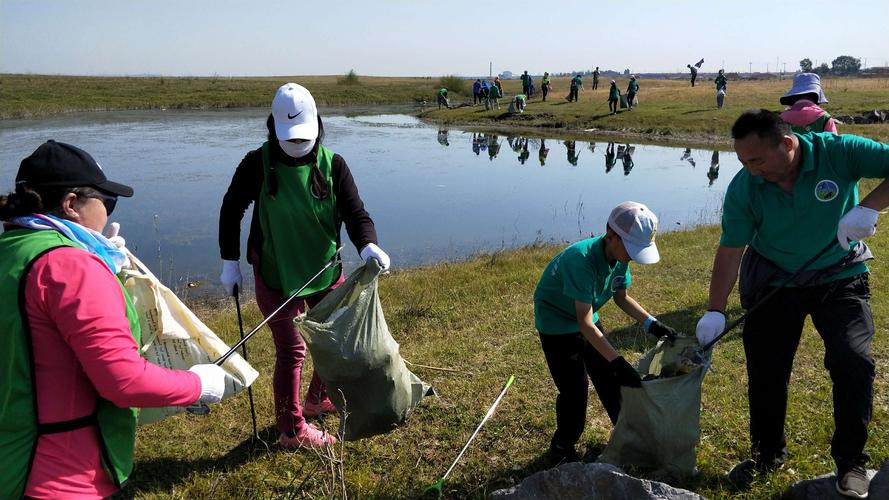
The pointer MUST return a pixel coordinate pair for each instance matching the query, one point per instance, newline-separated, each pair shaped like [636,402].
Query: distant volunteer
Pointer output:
[302,194]
[574,286]
[70,371]
[804,113]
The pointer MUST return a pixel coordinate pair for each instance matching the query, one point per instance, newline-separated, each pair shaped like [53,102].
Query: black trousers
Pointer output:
[572,94]
[573,362]
[842,316]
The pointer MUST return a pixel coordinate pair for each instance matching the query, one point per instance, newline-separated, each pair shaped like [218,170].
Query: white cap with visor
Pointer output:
[636,225]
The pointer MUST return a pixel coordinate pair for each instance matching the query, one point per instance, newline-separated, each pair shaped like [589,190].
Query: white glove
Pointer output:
[212,382]
[856,225]
[111,232]
[371,251]
[231,276]
[711,324]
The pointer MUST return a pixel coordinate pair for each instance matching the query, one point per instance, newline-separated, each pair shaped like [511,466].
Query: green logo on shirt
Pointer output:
[826,190]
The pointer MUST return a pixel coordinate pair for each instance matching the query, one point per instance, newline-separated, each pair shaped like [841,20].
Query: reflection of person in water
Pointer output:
[628,160]
[713,173]
[493,146]
[443,137]
[524,154]
[572,152]
[542,152]
[610,157]
[515,143]
[476,144]
[687,156]
[592,146]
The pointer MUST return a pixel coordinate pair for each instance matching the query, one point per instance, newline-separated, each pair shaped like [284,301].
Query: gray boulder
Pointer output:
[824,487]
[595,481]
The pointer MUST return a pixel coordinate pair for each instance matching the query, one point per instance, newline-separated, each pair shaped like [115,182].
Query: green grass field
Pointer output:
[24,96]
[476,317]
[669,110]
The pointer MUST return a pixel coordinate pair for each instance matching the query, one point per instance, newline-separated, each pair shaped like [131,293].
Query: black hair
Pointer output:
[38,199]
[319,188]
[764,123]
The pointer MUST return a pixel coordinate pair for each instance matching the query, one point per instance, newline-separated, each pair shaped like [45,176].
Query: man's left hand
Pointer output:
[856,225]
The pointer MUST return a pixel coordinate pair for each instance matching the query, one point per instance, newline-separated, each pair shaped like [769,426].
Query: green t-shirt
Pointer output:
[614,93]
[576,82]
[578,273]
[633,87]
[790,228]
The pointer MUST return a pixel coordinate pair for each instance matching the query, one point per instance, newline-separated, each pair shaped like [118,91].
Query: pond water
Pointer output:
[434,194]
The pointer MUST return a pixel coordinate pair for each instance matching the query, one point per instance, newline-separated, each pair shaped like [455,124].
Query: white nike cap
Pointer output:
[636,225]
[296,116]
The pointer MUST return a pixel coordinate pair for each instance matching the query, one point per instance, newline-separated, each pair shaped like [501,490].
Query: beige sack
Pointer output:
[173,337]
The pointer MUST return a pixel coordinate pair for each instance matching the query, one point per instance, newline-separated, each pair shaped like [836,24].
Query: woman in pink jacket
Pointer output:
[71,371]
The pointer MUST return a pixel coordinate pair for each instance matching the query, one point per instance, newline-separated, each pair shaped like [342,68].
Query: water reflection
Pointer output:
[610,157]
[627,157]
[687,156]
[542,152]
[522,146]
[713,172]
[493,141]
[572,155]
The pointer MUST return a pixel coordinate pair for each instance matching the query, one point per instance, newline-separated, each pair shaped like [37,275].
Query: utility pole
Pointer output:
[490,69]
[785,69]
[750,68]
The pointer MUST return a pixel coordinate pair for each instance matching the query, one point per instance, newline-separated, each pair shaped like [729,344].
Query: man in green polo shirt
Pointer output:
[574,286]
[796,194]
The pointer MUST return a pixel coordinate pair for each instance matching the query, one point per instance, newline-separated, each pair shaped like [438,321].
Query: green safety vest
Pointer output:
[299,231]
[816,126]
[19,428]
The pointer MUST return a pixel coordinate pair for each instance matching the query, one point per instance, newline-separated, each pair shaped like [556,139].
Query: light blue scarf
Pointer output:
[91,241]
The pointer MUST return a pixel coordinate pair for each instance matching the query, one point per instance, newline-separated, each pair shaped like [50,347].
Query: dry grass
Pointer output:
[670,109]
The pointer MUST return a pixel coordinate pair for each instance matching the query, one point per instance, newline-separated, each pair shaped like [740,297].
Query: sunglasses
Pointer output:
[109,201]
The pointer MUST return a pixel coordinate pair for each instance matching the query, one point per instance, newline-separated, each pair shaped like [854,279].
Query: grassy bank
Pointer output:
[23,96]
[477,317]
[668,110]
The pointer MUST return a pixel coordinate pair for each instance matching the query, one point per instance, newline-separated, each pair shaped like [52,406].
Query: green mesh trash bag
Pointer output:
[356,357]
[659,425]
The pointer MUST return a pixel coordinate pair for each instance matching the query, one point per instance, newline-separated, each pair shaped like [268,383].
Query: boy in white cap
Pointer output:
[574,286]
[805,114]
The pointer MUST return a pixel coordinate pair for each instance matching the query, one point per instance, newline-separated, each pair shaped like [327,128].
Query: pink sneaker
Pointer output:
[313,410]
[307,437]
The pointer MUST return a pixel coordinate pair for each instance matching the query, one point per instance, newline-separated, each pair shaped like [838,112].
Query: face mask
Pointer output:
[297,150]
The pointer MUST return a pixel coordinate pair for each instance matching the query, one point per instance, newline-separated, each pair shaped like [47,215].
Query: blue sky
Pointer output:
[425,38]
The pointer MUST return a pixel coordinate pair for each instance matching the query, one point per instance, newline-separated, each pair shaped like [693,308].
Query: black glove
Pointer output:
[625,373]
[659,330]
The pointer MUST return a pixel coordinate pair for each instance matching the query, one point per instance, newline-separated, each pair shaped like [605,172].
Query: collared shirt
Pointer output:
[789,228]
[582,273]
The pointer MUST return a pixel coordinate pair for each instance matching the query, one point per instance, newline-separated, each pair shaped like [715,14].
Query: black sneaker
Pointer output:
[745,472]
[559,455]
[853,483]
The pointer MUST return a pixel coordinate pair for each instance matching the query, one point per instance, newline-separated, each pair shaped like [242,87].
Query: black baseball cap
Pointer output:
[63,165]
